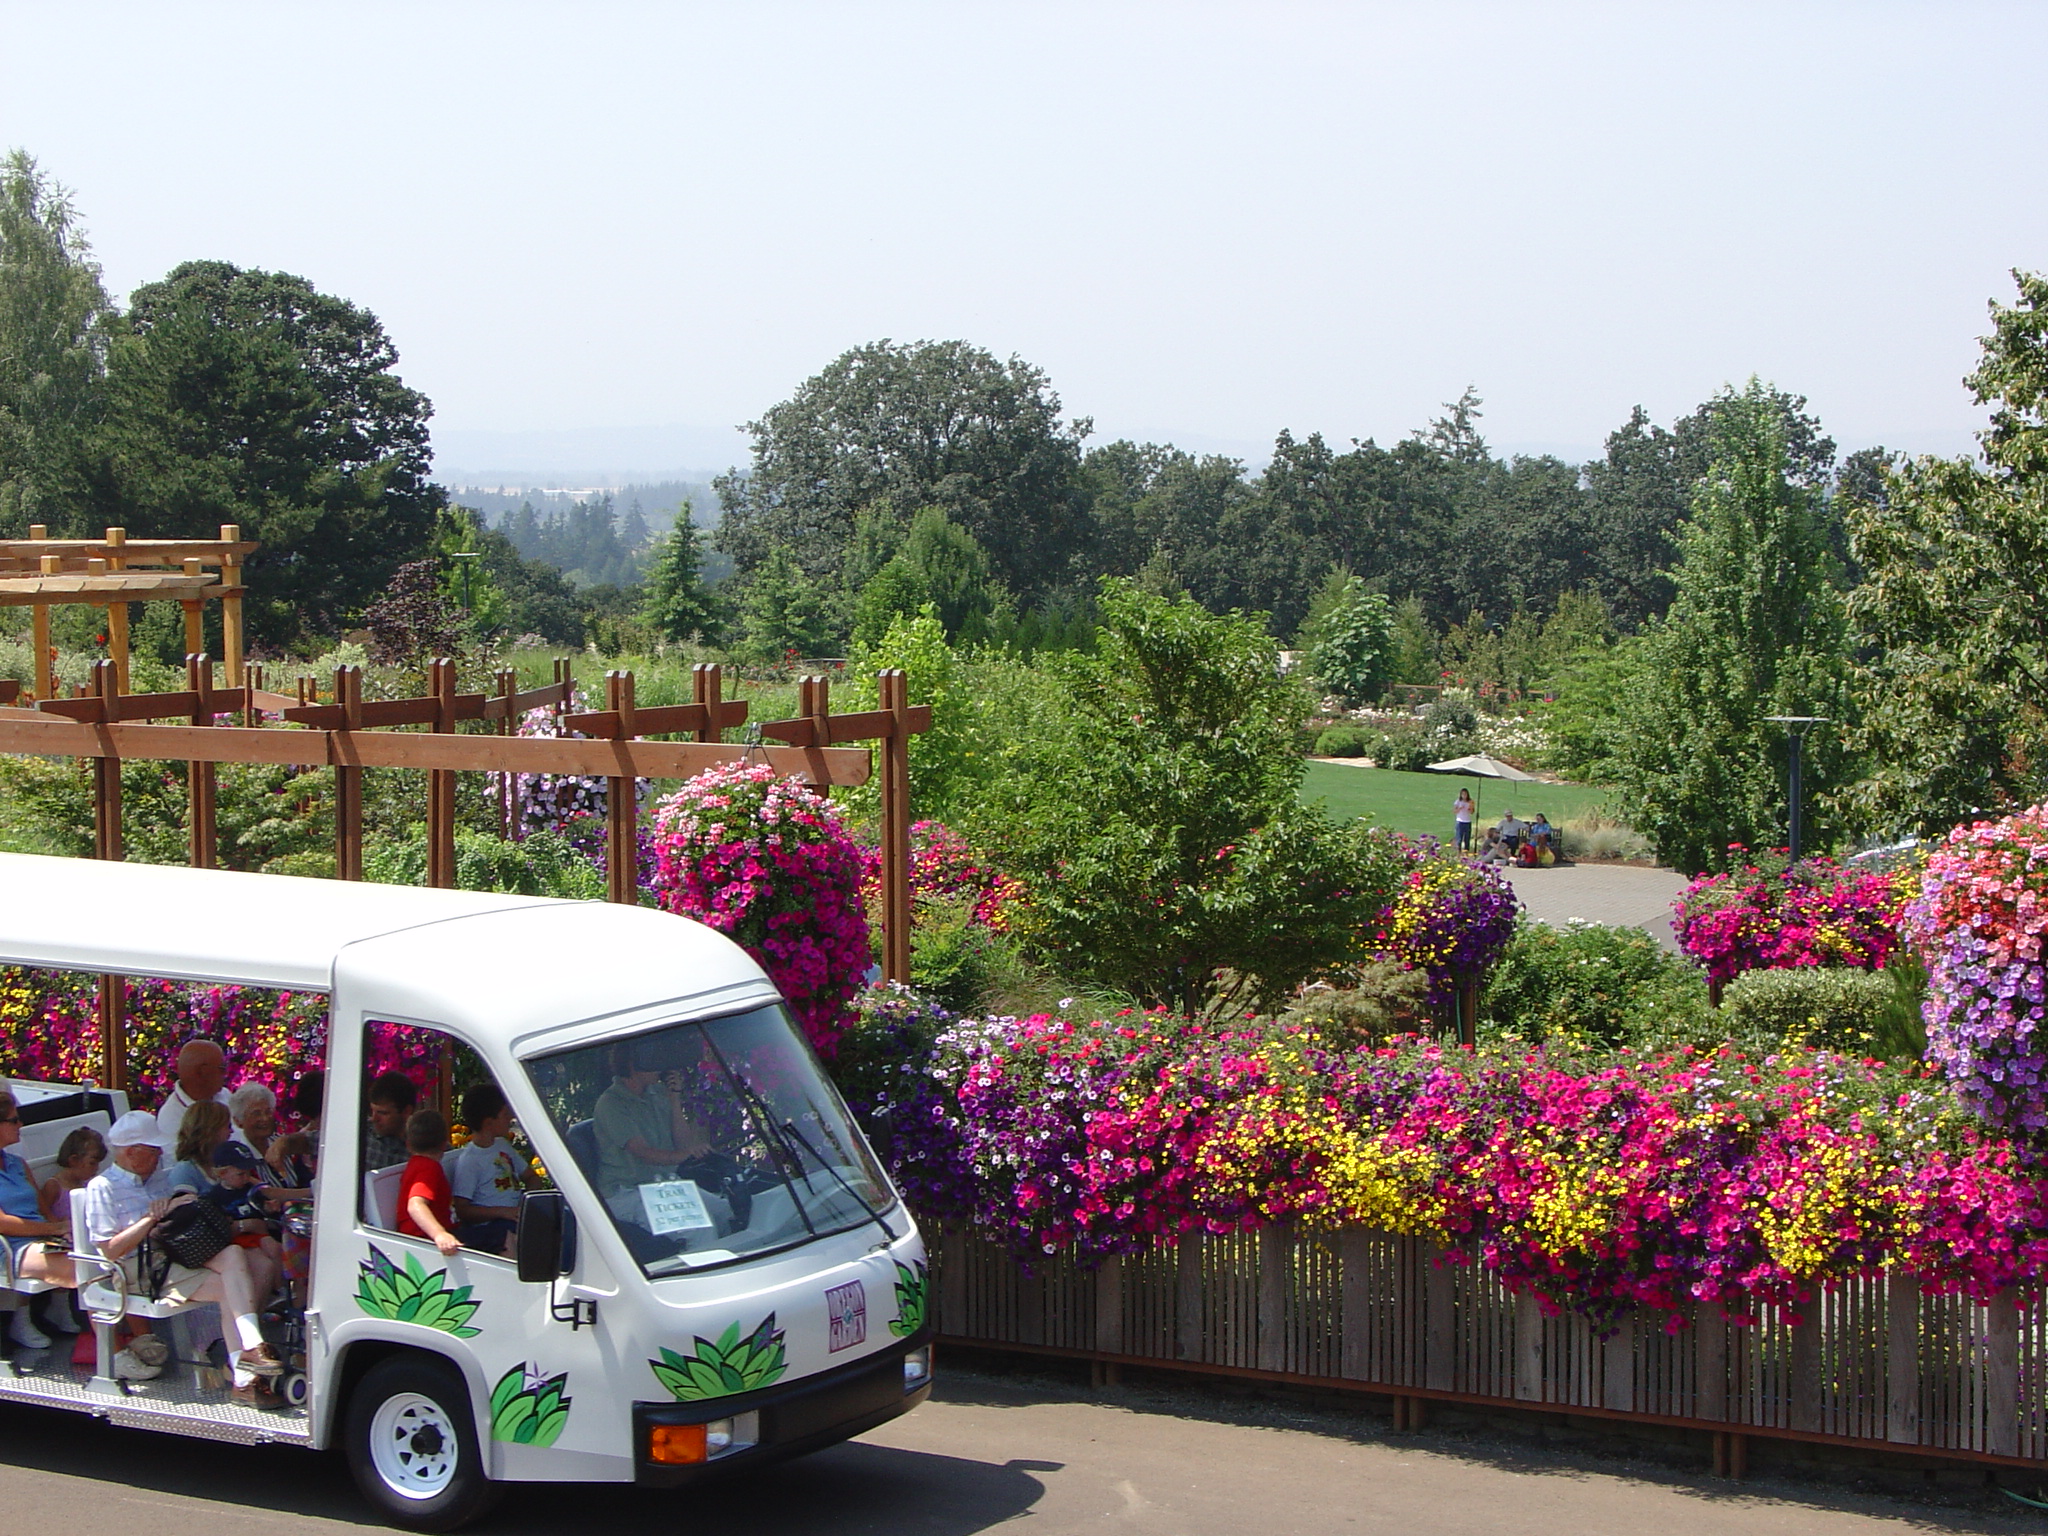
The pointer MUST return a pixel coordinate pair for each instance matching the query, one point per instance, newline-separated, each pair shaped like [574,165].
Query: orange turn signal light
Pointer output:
[676,1445]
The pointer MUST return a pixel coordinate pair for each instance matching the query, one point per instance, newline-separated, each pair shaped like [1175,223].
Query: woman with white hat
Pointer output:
[117,1210]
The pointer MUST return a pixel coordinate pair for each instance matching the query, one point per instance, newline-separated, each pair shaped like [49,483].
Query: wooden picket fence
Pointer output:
[1877,1363]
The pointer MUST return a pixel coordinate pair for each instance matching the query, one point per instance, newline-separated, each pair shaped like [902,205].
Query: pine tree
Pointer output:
[783,611]
[678,604]
[1756,629]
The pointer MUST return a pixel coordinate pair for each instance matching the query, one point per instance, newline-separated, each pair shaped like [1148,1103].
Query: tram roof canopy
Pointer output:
[208,924]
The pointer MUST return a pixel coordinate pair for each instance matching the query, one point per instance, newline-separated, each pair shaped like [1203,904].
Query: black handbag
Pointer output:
[191,1233]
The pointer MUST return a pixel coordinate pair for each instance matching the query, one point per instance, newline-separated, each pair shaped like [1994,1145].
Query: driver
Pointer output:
[642,1133]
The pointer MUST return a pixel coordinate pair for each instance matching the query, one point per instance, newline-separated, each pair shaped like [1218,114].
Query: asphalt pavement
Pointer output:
[989,1451]
[1619,895]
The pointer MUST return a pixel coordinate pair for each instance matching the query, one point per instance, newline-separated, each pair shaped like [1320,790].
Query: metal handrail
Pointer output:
[117,1274]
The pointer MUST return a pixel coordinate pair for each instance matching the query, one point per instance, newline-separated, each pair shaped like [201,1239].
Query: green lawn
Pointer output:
[1421,802]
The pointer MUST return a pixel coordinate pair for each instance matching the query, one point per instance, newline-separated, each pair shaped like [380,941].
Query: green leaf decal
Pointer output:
[727,1365]
[913,1299]
[528,1408]
[413,1295]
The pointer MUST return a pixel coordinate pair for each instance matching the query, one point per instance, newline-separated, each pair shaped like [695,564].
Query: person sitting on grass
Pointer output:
[486,1175]
[425,1203]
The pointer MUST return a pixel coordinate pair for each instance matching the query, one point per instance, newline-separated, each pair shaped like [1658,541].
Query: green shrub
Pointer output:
[1366,1007]
[952,958]
[1588,982]
[1835,1008]
[543,864]
[1403,750]
[1341,741]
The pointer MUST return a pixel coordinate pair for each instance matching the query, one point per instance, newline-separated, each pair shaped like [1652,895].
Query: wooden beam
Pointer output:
[98,587]
[139,551]
[866,725]
[426,710]
[40,736]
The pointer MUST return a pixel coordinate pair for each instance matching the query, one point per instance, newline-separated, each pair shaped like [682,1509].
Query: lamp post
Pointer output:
[1796,727]
[464,556]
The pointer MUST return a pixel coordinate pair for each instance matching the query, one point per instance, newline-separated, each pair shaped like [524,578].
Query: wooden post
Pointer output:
[1528,1347]
[1276,1252]
[441,781]
[1355,1288]
[114,1033]
[194,609]
[106,777]
[201,779]
[2002,1375]
[1902,1359]
[117,613]
[707,687]
[894,692]
[1803,1365]
[1618,1367]
[348,778]
[1109,1306]
[231,605]
[508,725]
[1468,1010]
[621,805]
[1440,1359]
[44,675]
[1187,1298]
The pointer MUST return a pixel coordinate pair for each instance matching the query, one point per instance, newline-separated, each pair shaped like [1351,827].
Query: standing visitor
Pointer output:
[1461,817]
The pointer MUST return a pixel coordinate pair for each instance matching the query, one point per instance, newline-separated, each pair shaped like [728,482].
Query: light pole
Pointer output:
[1796,727]
[464,556]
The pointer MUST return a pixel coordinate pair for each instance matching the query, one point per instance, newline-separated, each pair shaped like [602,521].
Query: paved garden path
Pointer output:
[1043,1457]
[1619,895]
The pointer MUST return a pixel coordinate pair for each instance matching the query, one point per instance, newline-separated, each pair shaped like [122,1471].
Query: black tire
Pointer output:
[401,1420]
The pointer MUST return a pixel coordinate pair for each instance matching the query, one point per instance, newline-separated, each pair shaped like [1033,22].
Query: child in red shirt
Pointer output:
[426,1204]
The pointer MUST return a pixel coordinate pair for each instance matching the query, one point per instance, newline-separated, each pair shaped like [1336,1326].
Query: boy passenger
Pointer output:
[425,1206]
[486,1175]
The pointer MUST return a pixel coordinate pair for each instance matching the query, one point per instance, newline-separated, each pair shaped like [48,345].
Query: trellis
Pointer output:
[40,573]
[343,731]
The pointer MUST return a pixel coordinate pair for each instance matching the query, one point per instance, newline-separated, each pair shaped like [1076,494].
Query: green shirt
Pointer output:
[621,1115]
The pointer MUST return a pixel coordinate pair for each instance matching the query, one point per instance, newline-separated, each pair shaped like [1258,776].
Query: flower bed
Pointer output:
[1772,913]
[1601,1182]
[50,1032]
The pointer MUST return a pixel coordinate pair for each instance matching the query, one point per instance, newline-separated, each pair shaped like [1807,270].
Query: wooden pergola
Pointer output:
[40,573]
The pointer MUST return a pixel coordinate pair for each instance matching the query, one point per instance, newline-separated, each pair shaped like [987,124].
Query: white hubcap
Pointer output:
[413,1445]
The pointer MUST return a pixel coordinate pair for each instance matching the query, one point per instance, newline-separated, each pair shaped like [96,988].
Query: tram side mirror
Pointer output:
[546,1248]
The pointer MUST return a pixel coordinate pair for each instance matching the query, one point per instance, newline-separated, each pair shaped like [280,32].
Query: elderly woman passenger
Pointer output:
[23,1228]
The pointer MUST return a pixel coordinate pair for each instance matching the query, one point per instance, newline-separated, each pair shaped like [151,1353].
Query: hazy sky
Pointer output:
[1204,222]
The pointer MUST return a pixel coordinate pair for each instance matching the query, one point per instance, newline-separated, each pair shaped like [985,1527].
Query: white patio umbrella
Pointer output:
[1481,765]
